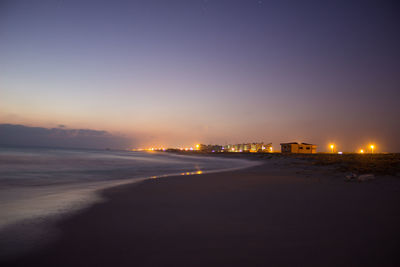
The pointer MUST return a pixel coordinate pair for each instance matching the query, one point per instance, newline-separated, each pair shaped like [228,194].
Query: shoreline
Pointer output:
[89,194]
[259,215]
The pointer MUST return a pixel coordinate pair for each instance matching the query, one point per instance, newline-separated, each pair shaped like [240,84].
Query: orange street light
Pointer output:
[372,148]
[362,151]
[332,148]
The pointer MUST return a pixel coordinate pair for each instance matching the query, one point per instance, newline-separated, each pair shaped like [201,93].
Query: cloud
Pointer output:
[20,135]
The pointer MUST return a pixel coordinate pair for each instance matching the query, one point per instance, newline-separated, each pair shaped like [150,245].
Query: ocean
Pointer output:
[38,182]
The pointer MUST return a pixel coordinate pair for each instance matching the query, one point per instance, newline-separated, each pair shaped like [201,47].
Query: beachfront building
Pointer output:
[266,147]
[249,147]
[210,148]
[228,148]
[261,147]
[295,147]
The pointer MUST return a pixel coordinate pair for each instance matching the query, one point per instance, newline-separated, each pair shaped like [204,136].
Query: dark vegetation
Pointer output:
[378,164]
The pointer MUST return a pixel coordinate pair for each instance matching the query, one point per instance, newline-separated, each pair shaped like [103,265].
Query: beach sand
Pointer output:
[281,213]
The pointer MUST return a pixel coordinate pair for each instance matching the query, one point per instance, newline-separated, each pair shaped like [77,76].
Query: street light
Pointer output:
[361,151]
[332,147]
[372,148]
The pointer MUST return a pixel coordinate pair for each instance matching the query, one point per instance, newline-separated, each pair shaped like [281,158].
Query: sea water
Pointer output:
[38,182]
[40,185]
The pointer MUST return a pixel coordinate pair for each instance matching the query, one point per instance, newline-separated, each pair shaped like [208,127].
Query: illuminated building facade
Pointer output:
[295,147]
[249,147]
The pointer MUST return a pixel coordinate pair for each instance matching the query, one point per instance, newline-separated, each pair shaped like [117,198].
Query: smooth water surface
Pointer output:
[36,182]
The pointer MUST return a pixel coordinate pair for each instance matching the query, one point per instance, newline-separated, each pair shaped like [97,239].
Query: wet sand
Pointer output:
[277,214]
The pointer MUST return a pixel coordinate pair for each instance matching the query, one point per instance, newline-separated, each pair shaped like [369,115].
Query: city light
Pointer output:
[255,147]
[332,148]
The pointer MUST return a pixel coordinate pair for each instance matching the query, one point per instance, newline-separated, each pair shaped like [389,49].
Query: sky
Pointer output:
[177,73]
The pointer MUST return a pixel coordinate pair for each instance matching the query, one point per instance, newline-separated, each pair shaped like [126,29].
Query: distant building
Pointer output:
[261,147]
[248,147]
[255,147]
[228,148]
[216,148]
[295,147]
[210,148]
[267,147]
[202,147]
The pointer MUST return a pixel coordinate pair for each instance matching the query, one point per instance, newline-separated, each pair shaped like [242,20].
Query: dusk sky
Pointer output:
[176,73]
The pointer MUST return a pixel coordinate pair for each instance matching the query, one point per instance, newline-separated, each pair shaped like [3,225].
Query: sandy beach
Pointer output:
[282,213]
